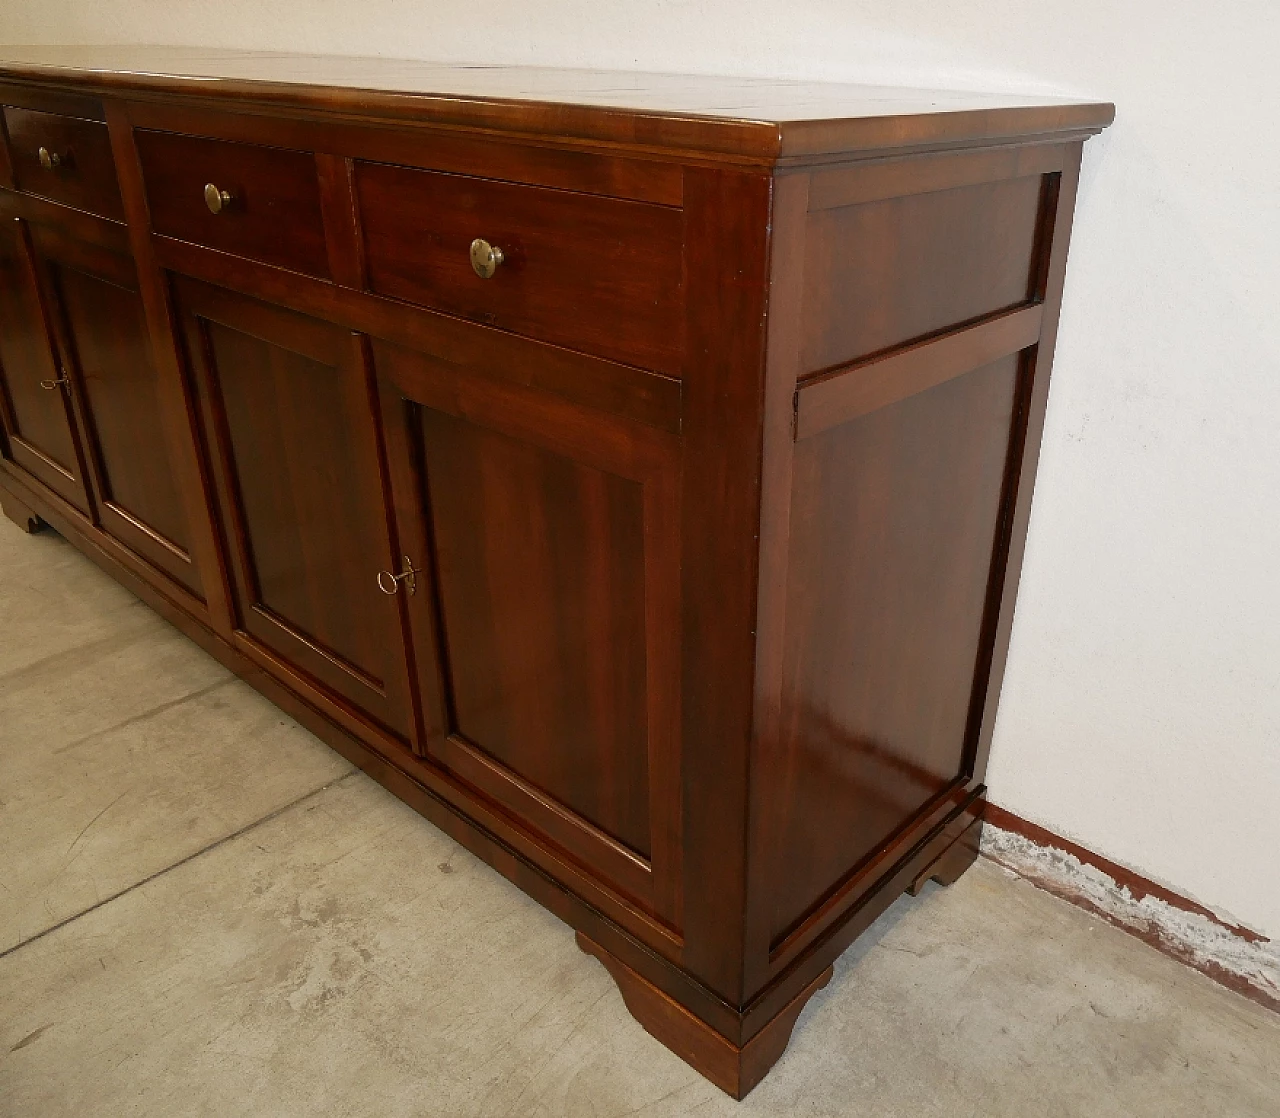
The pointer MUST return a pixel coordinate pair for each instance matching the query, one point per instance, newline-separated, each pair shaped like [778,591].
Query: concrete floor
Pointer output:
[207,912]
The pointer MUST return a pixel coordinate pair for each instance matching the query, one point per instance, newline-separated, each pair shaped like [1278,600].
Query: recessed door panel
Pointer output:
[34,393]
[540,563]
[546,639]
[108,355]
[290,427]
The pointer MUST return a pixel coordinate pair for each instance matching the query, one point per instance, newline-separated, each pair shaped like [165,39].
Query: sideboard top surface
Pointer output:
[751,119]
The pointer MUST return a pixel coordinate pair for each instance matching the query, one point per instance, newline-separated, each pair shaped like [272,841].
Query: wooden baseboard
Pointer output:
[1234,956]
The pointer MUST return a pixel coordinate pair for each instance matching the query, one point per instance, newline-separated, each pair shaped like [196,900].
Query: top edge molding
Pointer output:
[746,120]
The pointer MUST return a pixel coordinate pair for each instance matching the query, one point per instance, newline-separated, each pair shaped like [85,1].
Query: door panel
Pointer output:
[108,356]
[546,622]
[34,395]
[288,415]
[540,562]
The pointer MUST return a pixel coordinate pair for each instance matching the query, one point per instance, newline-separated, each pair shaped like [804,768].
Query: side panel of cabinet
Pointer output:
[287,408]
[35,399]
[898,508]
[893,505]
[102,333]
[546,621]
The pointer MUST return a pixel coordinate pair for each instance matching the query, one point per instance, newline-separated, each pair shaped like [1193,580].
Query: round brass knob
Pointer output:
[485,258]
[217,200]
[49,159]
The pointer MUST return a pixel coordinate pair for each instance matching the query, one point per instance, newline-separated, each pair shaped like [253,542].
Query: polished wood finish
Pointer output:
[734,1068]
[595,274]
[548,650]
[289,430]
[854,390]
[494,355]
[36,393]
[499,157]
[84,177]
[178,413]
[19,512]
[720,508]
[102,333]
[274,212]
[766,121]
[898,506]
[884,272]
[671,567]
[953,861]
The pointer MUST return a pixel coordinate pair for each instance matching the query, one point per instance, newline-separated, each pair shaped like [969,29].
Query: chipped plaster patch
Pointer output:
[1249,966]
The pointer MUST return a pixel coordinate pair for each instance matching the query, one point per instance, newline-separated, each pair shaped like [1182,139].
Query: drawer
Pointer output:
[592,273]
[64,158]
[273,209]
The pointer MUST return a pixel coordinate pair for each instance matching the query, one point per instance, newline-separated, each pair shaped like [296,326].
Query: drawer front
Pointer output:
[272,212]
[65,159]
[597,274]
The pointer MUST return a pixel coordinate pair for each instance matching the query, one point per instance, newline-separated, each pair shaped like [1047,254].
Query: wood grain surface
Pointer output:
[671,568]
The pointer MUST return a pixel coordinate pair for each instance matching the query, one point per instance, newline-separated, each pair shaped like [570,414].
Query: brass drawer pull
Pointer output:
[390,584]
[49,160]
[217,200]
[485,258]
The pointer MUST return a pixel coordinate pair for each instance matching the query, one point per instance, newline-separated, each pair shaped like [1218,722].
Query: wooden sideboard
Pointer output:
[630,472]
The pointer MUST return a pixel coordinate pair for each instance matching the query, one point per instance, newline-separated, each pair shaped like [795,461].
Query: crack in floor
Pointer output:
[181,862]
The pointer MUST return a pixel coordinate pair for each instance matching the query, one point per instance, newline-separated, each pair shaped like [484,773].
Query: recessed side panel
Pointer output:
[887,271]
[894,520]
[541,582]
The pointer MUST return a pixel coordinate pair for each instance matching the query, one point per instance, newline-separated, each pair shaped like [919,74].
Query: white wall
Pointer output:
[1141,709]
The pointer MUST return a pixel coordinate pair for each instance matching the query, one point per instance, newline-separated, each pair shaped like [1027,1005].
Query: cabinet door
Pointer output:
[288,412]
[546,622]
[102,333]
[35,394]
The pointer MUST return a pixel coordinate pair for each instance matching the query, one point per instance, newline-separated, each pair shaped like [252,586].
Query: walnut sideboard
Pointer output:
[630,472]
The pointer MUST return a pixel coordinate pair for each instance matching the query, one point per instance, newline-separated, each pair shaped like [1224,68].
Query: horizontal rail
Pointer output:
[868,385]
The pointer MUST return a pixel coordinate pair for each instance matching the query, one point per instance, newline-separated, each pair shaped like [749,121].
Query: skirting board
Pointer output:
[1236,957]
